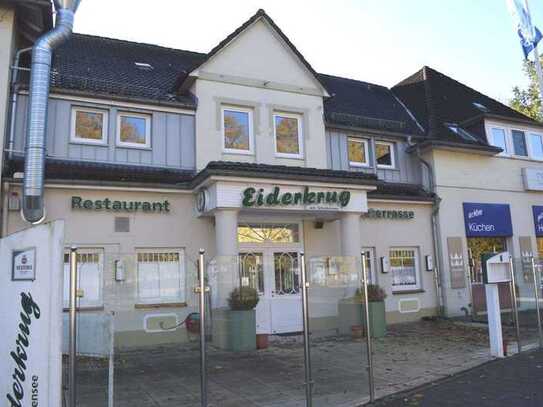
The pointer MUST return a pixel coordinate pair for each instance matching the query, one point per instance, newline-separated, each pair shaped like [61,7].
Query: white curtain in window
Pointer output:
[89,277]
[160,277]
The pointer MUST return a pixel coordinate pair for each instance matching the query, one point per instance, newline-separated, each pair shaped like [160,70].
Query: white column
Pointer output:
[225,264]
[351,241]
[226,232]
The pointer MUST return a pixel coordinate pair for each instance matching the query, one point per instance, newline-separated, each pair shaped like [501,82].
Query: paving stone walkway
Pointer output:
[164,376]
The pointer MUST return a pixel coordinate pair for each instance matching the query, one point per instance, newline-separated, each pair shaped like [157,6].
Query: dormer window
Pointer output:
[384,154]
[89,126]
[358,152]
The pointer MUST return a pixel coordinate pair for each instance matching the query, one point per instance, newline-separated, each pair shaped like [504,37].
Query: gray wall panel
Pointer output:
[407,167]
[172,137]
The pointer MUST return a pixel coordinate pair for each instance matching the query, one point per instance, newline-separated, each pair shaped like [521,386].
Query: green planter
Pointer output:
[242,330]
[378,324]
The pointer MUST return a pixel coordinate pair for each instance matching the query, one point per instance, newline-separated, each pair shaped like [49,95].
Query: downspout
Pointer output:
[14,91]
[33,210]
[436,235]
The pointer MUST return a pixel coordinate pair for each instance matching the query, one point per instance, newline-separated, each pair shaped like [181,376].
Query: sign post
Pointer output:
[31,267]
[495,270]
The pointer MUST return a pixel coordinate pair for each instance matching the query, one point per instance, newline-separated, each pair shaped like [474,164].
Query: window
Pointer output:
[358,152]
[519,143]
[288,135]
[498,139]
[237,130]
[536,146]
[252,271]
[404,269]
[89,126]
[133,130]
[384,154]
[161,276]
[261,233]
[89,277]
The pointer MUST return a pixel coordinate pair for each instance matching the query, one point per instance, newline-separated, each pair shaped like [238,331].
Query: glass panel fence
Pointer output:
[255,349]
[338,350]
[138,329]
[528,292]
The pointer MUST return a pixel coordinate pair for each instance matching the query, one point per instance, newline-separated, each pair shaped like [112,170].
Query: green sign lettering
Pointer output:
[256,198]
[119,206]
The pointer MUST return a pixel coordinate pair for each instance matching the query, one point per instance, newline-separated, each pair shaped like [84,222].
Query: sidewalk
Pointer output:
[512,382]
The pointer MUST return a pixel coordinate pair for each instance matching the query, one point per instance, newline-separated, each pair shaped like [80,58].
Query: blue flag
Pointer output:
[528,33]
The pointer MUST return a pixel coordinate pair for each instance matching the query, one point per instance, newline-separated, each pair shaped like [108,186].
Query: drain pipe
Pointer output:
[33,210]
[436,235]
[14,94]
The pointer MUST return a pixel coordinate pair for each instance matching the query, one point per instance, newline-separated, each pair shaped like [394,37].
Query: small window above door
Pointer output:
[268,233]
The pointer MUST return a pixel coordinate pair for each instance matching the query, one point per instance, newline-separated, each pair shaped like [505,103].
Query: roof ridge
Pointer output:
[146,44]
[354,80]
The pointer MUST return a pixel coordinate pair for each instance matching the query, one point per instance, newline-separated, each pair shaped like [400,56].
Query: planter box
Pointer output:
[351,313]
[378,324]
[241,330]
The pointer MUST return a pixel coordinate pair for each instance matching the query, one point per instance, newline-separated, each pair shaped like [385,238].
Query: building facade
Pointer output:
[248,153]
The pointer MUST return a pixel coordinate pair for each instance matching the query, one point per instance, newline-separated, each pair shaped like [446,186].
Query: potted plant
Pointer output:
[242,319]
[376,306]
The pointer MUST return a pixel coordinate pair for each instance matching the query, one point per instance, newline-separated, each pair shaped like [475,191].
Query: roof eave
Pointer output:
[458,147]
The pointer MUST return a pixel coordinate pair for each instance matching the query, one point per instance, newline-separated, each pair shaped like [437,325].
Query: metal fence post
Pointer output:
[201,290]
[307,354]
[368,330]
[536,294]
[514,301]
[72,328]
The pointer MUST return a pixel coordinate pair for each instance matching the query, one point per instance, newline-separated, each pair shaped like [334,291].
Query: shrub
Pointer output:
[375,294]
[243,299]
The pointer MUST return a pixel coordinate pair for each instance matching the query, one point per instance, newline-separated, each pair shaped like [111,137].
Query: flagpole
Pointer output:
[537,63]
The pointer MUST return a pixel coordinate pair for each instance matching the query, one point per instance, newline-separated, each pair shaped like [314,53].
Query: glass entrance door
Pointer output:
[285,304]
[476,248]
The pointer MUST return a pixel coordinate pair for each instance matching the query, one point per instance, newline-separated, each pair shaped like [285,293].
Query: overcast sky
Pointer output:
[379,41]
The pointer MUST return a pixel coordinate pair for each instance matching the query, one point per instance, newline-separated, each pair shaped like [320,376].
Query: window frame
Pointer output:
[299,117]
[508,147]
[249,112]
[85,250]
[125,144]
[530,145]
[182,277]
[392,155]
[513,152]
[410,287]
[365,142]
[105,118]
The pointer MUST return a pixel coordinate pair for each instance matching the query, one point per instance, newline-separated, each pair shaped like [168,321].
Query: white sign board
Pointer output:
[31,318]
[533,179]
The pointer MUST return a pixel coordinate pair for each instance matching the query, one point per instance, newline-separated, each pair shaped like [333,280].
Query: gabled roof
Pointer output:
[358,104]
[260,14]
[451,111]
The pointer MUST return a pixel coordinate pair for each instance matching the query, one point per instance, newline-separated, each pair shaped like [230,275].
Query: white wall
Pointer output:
[257,70]
[462,177]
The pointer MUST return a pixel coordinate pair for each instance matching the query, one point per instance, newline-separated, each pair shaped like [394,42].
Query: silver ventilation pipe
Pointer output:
[33,210]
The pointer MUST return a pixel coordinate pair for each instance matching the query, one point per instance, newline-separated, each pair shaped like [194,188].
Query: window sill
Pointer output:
[161,305]
[237,152]
[128,147]
[88,143]
[85,309]
[289,156]
[414,291]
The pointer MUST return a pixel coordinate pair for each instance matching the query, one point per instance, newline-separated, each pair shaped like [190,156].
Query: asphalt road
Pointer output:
[512,382]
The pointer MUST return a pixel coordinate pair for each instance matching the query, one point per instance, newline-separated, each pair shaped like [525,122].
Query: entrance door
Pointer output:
[285,301]
[477,246]
[275,274]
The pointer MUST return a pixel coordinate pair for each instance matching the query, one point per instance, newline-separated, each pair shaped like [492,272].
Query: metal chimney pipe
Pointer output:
[33,209]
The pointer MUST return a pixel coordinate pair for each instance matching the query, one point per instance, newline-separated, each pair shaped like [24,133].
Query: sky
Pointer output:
[378,41]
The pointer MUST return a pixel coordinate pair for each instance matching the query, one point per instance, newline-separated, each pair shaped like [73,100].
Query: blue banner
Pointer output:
[487,220]
[538,220]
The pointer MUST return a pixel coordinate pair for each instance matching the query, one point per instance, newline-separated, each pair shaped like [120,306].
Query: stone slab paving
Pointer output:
[163,376]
